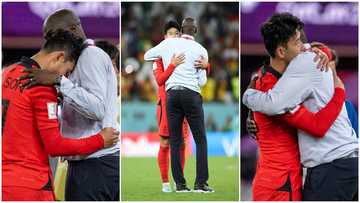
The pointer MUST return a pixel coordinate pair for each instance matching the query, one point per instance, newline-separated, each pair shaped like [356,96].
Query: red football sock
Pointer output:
[163,162]
[182,157]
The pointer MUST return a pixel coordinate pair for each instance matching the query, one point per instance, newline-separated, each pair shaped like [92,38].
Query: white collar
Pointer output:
[90,41]
[187,36]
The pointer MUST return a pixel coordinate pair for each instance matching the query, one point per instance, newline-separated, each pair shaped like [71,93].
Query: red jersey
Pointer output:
[161,76]
[30,132]
[279,158]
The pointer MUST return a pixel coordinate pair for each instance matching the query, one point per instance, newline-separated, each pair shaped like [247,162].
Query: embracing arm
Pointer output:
[202,71]
[88,98]
[45,104]
[161,76]
[155,52]
[292,88]
[317,124]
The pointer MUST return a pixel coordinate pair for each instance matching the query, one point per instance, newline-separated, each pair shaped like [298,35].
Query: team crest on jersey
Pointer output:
[154,66]
[51,107]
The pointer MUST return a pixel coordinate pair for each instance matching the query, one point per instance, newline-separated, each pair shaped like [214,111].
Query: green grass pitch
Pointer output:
[140,180]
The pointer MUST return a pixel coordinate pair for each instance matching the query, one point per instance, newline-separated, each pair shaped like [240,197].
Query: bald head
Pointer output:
[189,26]
[64,19]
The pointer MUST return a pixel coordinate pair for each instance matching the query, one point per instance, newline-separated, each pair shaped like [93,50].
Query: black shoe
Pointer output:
[182,188]
[203,188]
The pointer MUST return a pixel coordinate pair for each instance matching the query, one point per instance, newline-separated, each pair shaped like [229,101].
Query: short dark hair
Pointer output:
[189,26]
[110,49]
[62,40]
[60,19]
[171,24]
[278,30]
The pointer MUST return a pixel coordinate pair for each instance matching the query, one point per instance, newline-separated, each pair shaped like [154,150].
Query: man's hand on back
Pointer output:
[251,126]
[322,58]
[324,61]
[38,77]
[110,136]
[178,59]
[201,63]
[252,84]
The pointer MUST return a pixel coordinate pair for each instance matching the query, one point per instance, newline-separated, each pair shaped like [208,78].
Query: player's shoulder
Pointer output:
[41,91]
[11,73]
[266,82]
[305,57]
[201,47]
[93,56]
[170,40]
[303,62]
[12,69]
[93,52]
[92,49]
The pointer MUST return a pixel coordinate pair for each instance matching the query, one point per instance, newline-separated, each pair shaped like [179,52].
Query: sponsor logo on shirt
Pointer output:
[51,107]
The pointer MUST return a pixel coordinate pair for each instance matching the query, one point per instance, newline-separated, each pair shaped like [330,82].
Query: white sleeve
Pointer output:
[88,98]
[155,52]
[202,77]
[202,72]
[295,85]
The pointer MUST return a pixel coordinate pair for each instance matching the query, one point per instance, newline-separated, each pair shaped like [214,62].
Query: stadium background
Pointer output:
[22,27]
[141,29]
[335,24]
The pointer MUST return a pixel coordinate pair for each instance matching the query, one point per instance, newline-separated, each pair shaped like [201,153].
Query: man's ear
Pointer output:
[195,30]
[57,56]
[280,52]
[60,56]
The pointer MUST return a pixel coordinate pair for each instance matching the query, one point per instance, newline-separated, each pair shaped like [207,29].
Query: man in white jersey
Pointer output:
[184,100]
[331,161]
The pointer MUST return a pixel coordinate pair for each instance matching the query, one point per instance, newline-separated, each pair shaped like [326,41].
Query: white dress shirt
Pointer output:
[303,82]
[185,74]
[90,95]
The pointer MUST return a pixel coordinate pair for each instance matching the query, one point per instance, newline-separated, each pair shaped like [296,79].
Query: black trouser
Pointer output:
[187,103]
[337,180]
[93,179]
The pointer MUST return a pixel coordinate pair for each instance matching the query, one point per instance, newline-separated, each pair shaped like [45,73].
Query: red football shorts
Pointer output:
[266,194]
[163,122]
[26,194]
[277,185]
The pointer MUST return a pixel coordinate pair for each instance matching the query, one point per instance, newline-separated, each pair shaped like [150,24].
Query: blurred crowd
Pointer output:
[218,32]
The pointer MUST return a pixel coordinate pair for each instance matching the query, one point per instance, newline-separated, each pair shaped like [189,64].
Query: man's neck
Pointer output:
[38,57]
[278,65]
[187,36]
